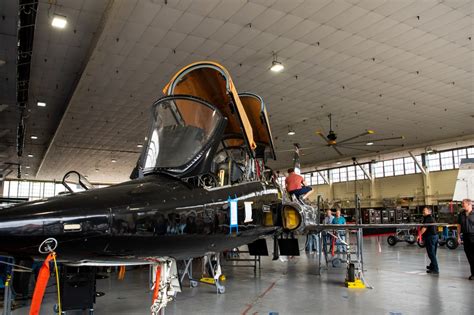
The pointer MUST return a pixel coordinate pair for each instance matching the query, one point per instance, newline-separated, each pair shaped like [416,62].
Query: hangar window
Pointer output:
[343,174]
[377,169]
[399,167]
[409,165]
[458,156]
[23,189]
[36,190]
[447,160]
[321,180]
[360,175]
[470,153]
[433,162]
[351,173]
[49,189]
[420,161]
[334,175]
[388,168]
[12,189]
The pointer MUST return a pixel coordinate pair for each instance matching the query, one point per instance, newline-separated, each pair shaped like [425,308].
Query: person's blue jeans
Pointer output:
[327,242]
[431,244]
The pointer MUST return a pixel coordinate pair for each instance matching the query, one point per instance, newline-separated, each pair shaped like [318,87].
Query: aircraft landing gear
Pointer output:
[165,284]
[214,263]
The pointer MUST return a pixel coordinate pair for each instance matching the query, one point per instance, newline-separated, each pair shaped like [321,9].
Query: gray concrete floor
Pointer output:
[397,274]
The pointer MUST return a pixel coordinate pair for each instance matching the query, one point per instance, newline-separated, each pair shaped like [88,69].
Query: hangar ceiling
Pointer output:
[398,67]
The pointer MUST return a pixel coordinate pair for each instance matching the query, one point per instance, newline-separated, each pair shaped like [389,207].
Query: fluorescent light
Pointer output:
[339,163]
[291,132]
[139,145]
[41,104]
[369,143]
[2,62]
[26,174]
[34,137]
[277,66]
[30,155]
[113,161]
[27,166]
[59,21]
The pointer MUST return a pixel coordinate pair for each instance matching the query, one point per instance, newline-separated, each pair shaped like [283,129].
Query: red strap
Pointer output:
[258,168]
[40,287]
[418,231]
[156,291]
[333,245]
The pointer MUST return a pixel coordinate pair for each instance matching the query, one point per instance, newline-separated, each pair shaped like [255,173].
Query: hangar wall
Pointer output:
[407,190]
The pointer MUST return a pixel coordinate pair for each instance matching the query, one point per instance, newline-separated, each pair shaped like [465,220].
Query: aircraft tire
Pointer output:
[392,240]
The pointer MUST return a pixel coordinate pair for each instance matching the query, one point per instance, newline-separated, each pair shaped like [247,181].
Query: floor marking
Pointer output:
[249,306]
[267,290]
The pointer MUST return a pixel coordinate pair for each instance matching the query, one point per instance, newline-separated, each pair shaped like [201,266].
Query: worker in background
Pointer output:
[430,239]
[329,217]
[339,219]
[466,227]
[326,237]
[295,185]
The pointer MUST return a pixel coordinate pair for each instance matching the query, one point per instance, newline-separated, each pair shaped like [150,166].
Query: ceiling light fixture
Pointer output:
[27,166]
[369,143]
[429,150]
[276,65]
[339,163]
[113,161]
[30,155]
[139,145]
[2,62]
[291,132]
[59,21]
[34,137]
[41,104]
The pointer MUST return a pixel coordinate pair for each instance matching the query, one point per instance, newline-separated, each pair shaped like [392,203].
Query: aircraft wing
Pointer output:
[319,228]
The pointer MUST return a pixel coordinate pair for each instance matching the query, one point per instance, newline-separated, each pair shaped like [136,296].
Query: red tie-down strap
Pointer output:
[418,231]
[156,290]
[333,245]
[40,287]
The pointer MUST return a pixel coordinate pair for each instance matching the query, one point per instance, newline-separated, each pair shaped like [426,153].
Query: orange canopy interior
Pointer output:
[257,115]
[212,82]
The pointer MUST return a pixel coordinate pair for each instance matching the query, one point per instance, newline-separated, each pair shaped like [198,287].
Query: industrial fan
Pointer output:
[355,142]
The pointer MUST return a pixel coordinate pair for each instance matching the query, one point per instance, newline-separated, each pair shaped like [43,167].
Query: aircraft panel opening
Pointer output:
[291,218]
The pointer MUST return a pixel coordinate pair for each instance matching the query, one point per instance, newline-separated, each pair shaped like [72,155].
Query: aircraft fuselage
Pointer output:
[150,217]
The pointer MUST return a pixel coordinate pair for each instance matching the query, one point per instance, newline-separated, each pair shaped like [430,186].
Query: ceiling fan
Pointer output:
[355,143]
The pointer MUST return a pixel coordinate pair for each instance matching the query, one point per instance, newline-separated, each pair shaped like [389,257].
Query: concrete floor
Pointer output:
[397,274]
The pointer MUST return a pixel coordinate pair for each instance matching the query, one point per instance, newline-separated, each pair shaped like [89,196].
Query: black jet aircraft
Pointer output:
[207,148]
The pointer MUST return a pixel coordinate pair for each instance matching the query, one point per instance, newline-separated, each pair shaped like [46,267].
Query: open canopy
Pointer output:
[183,130]
[257,115]
[212,82]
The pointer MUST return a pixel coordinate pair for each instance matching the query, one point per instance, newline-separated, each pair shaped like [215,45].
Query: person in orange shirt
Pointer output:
[295,185]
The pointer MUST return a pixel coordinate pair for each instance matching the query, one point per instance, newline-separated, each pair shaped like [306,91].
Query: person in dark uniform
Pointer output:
[466,227]
[430,238]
